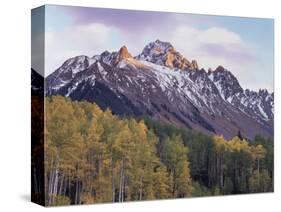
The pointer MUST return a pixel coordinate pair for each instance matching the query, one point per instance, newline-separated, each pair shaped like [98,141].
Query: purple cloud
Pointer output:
[128,20]
[234,52]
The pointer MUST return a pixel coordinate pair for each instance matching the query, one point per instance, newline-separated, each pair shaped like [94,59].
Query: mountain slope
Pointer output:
[258,105]
[167,88]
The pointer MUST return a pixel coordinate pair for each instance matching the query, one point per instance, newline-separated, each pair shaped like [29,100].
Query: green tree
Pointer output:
[174,156]
[260,181]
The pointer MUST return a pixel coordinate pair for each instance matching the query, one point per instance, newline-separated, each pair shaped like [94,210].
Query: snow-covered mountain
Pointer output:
[258,105]
[163,84]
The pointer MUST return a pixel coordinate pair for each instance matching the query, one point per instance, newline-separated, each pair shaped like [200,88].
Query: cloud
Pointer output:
[76,40]
[131,21]
[217,35]
[219,44]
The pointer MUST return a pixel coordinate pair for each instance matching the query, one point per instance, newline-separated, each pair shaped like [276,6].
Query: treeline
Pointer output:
[93,156]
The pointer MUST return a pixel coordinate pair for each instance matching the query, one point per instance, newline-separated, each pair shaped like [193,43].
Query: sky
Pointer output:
[244,46]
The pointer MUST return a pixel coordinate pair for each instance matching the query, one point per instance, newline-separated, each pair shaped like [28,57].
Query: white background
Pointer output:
[15,104]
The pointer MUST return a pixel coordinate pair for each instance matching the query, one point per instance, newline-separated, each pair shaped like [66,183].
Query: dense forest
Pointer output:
[93,156]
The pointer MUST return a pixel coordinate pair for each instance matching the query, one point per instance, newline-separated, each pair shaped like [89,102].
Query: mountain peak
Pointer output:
[123,53]
[263,92]
[163,53]
[166,45]
[226,82]
[194,65]
[220,68]
[75,64]
[158,47]
[210,70]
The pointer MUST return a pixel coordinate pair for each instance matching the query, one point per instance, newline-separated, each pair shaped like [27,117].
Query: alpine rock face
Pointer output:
[258,105]
[164,85]
[163,53]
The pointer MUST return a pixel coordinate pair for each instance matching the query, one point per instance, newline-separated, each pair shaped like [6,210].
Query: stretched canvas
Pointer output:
[132,105]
